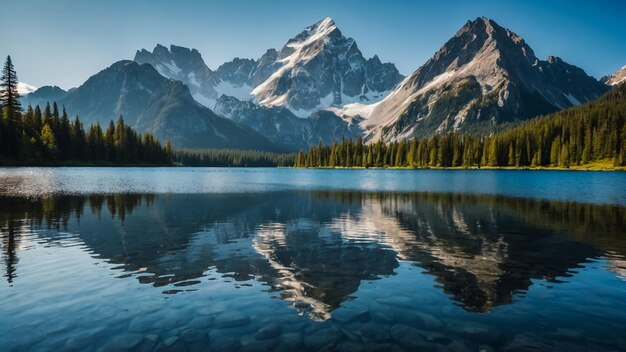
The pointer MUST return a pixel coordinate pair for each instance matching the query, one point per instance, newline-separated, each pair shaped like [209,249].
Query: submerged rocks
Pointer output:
[231,320]
[375,333]
[170,340]
[292,341]
[360,314]
[481,334]
[268,332]
[322,338]
[249,343]
[397,301]
[430,321]
[526,342]
[123,342]
[409,338]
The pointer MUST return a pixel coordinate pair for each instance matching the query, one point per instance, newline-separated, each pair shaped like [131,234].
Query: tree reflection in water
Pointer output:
[315,248]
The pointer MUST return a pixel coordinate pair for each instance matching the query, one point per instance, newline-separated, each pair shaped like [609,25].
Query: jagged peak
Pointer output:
[326,22]
[486,25]
[554,59]
[160,49]
[320,30]
[271,51]
[618,77]
[123,63]
[238,60]
[375,59]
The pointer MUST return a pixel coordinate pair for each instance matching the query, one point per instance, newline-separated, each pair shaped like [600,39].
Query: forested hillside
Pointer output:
[42,138]
[50,137]
[577,136]
[231,158]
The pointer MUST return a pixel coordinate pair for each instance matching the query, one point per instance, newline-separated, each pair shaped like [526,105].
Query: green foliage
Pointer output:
[576,136]
[10,110]
[51,139]
[232,158]
[34,137]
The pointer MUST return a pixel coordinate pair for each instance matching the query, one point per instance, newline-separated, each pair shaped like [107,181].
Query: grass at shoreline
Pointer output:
[600,165]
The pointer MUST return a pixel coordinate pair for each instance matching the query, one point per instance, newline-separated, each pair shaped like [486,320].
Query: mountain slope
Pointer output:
[320,68]
[25,88]
[483,76]
[316,69]
[43,95]
[616,78]
[284,128]
[151,103]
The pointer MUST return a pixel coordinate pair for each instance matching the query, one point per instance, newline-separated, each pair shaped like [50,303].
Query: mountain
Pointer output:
[152,103]
[484,76]
[235,78]
[283,127]
[43,95]
[25,88]
[320,68]
[185,65]
[616,78]
[319,88]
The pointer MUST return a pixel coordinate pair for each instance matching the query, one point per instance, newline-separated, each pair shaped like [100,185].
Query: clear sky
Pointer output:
[63,42]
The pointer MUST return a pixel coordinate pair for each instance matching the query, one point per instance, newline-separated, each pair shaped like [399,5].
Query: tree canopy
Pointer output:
[576,136]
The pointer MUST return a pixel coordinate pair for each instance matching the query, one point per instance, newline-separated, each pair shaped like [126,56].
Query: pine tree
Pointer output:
[511,156]
[48,141]
[9,96]
[493,153]
[10,111]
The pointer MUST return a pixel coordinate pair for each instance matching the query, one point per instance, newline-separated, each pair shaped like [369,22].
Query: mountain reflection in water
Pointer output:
[316,248]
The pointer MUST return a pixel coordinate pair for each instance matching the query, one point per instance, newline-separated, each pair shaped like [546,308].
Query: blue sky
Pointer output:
[63,42]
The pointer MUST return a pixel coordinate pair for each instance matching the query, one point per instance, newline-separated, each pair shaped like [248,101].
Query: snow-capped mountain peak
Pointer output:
[317,69]
[320,68]
[484,75]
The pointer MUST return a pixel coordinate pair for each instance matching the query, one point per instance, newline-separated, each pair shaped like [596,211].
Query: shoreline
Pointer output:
[599,165]
[473,168]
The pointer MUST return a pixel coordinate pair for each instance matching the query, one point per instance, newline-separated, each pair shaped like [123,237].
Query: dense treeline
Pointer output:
[50,137]
[232,157]
[576,136]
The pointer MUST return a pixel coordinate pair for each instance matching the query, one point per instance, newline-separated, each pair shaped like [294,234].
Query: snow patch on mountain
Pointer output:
[25,88]
[320,68]
[616,78]
[572,99]
[354,110]
[241,92]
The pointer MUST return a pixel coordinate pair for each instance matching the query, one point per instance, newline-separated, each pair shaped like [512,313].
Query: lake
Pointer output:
[231,259]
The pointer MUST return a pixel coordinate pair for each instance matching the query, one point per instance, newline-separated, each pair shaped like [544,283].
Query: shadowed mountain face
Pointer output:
[183,65]
[483,76]
[284,128]
[152,103]
[316,249]
[43,95]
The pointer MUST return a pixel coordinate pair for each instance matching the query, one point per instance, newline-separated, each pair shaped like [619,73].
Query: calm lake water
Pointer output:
[287,260]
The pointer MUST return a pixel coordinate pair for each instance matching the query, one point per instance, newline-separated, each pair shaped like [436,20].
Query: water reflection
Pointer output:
[316,249]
